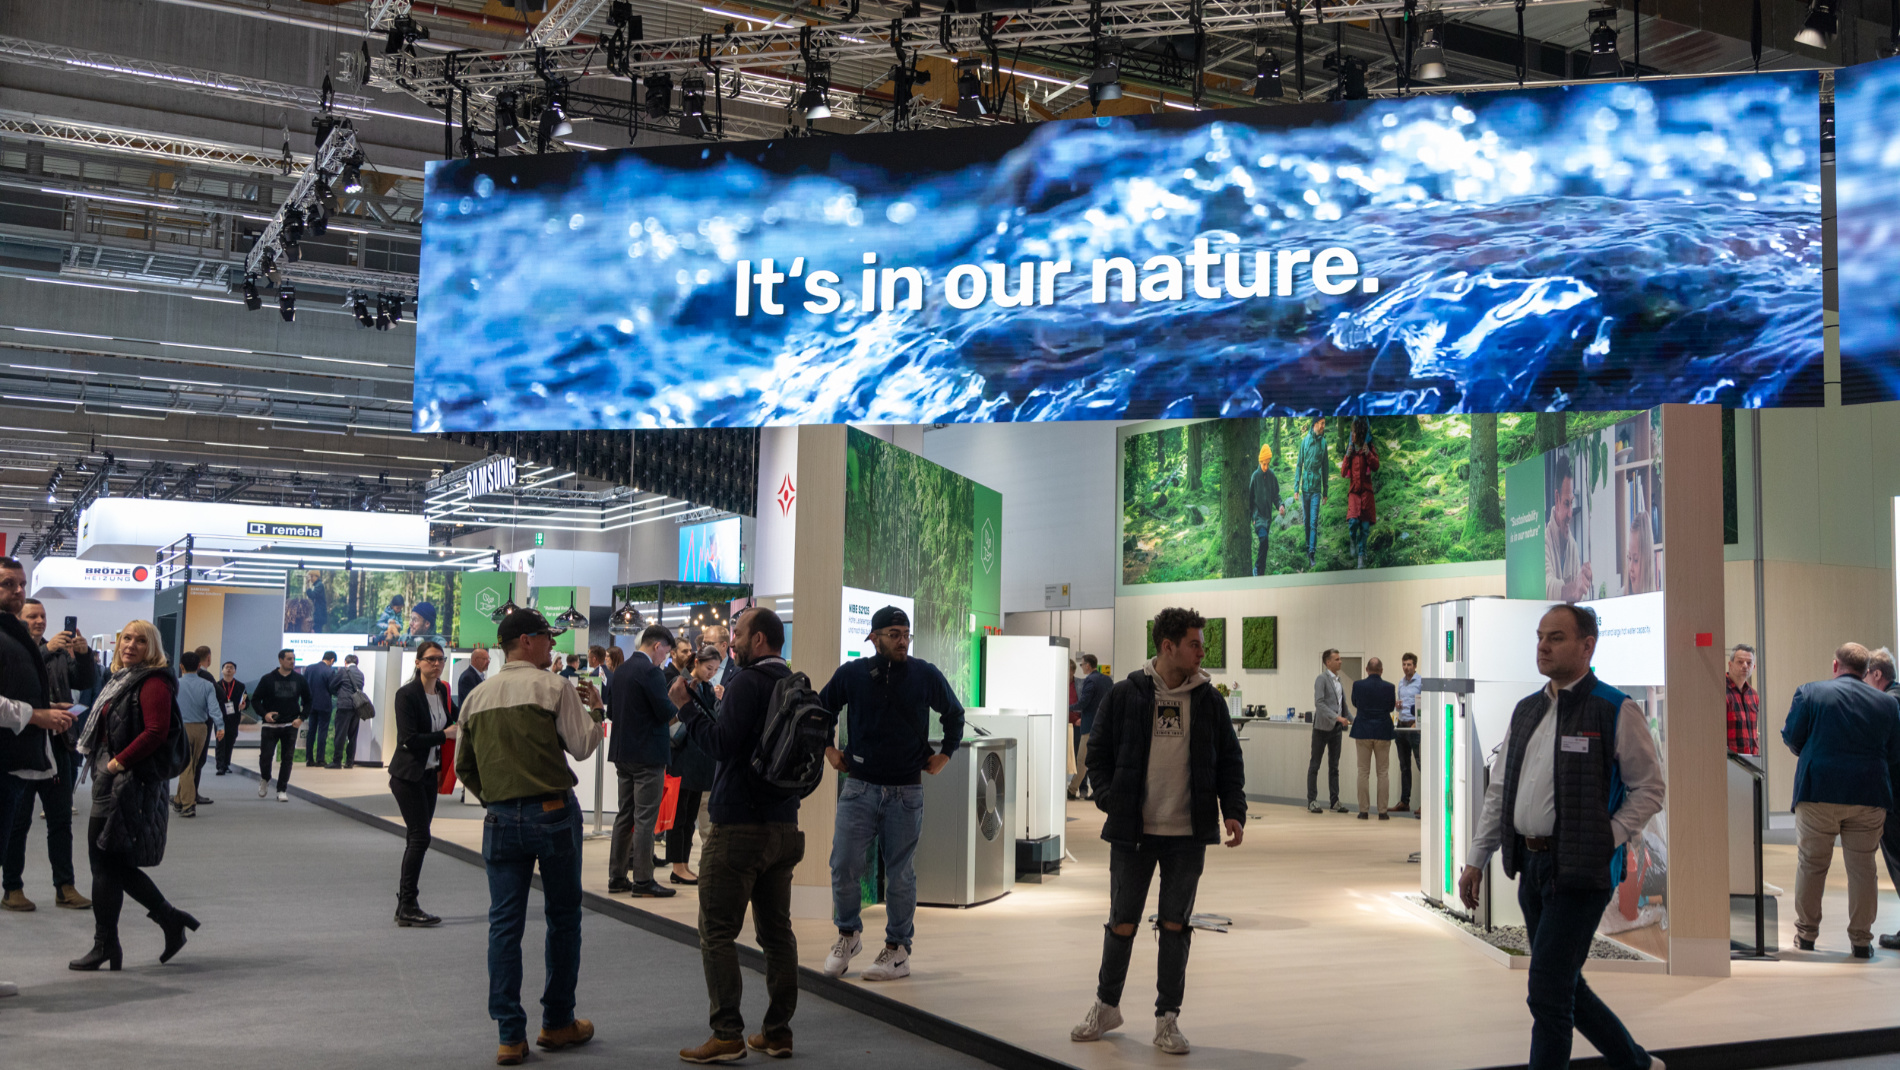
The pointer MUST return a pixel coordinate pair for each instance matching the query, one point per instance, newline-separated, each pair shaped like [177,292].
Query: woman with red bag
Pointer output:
[425,720]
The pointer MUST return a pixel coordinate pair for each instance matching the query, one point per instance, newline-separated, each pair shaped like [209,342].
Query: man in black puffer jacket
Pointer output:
[1165,766]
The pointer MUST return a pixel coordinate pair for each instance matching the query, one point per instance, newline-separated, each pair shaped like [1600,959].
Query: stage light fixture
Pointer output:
[659,95]
[1428,60]
[812,101]
[403,34]
[1266,75]
[554,120]
[292,229]
[693,106]
[382,312]
[359,307]
[353,173]
[970,90]
[251,299]
[1604,62]
[319,219]
[395,308]
[1823,22]
[1352,79]
[287,301]
[1105,82]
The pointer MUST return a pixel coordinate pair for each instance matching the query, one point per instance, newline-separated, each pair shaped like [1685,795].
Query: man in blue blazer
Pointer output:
[1372,734]
[639,749]
[1847,734]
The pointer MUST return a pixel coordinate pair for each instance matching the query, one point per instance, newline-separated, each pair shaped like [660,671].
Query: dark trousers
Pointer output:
[273,739]
[1325,744]
[1260,557]
[679,838]
[114,878]
[343,751]
[516,835]
[1130,871]
[1562,922]
[641,789]
[1889,847]
[740,866]
[1407,743]
[55,796]
[229,742]
[417,803]
[319,734]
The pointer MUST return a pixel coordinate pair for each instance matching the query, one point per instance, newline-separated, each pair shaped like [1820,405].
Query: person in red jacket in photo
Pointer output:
[1357,466]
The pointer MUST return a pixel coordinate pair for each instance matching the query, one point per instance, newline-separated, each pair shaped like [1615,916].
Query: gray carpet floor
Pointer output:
[298,965]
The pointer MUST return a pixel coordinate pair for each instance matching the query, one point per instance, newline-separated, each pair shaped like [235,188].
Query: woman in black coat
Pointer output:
[692,765]
[425,718]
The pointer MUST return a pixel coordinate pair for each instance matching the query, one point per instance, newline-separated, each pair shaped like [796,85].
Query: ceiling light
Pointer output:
[659,95]
[395,308]
[251,300]
[693,106]
[554,120]
[1266,75]
[287,301]
[1604,62]
[292,229]
[812,101]
[1823,22]
[970,89]
[353,173]
[626,621]
[1428,61]
[359,307]
[1105,83]
[382,312]
[571,618]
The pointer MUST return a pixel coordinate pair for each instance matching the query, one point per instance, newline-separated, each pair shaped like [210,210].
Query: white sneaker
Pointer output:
[1099,1020]
[1168,1034]
[892,963]
[283,796]
[263,790]
[841,954]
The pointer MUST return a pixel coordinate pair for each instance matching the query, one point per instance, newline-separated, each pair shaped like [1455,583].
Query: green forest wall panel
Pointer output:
[1260,642]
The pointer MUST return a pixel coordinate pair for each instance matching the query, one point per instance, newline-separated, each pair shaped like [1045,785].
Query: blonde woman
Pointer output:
[125,735]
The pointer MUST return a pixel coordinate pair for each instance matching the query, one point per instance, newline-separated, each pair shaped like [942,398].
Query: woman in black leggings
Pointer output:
[692,765]
[424,719]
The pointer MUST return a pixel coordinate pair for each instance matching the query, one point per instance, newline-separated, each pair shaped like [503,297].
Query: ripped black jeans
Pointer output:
[1130,872]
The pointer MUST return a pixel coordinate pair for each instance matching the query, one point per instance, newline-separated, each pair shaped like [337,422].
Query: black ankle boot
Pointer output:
[103,952]
[409,914]
[174,921]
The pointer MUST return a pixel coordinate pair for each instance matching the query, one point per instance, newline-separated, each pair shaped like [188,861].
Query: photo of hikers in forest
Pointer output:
[1273,496]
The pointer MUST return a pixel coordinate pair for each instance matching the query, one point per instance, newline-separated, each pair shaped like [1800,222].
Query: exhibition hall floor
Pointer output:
[297,966]
[1323,967]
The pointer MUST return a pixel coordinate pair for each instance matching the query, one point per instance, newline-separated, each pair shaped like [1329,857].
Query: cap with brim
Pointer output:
[889,617]
[522,622]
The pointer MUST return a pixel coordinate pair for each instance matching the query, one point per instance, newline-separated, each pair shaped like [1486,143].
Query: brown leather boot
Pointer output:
[572,1035]
[511,1054]
[17,900]
[70,899]
[714,1051]
[778,1047]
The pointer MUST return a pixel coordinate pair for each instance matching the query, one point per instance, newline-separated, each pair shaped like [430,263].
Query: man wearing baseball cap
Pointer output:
[517,729]
[888,698]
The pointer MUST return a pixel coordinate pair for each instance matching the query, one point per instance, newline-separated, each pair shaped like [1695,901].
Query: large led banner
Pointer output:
[1603,246]
[1867,193]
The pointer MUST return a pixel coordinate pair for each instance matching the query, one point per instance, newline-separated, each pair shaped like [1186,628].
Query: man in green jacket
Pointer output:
[1310,478]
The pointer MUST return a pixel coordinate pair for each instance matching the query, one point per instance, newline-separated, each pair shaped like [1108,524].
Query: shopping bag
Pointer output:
[669,805]
[447,784]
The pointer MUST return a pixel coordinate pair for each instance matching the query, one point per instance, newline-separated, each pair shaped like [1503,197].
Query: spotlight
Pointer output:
[395,308]
[292,229]
[554,120]
[1824,21]
[287,301]
[319,219]
[403,35]
[659,94]
[1266,75]
[1428,60]
[1106,81]
[353,173]
[359,307]
[1604,62]
[693,106]
[251,300]
[970,90]
[382,312]
[1352,79]
[812,101]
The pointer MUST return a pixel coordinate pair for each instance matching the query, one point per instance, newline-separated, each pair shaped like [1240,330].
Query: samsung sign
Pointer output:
[490,476]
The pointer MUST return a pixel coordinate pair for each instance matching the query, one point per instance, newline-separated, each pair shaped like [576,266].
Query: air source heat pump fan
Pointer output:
[989,795]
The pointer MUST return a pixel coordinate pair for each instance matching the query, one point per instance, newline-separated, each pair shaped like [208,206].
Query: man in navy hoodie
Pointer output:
[887,699]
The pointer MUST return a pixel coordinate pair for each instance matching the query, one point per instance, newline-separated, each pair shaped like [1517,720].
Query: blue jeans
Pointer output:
[515,835]
[1309,513]
[1358,530]
[1562,922]
[893,815]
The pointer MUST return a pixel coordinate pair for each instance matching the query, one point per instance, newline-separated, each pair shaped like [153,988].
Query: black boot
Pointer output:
[103,952]
[174,921]
[411,915]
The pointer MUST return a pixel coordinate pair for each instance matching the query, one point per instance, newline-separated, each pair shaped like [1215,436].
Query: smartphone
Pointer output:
[72,625]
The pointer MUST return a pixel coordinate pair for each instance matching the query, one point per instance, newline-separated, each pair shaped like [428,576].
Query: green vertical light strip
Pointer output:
[1450,757]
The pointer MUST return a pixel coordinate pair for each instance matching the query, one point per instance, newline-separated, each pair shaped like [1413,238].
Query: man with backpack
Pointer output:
[888,698]
[754,842]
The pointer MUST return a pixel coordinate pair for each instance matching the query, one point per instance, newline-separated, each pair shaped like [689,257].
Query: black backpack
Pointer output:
[790,757]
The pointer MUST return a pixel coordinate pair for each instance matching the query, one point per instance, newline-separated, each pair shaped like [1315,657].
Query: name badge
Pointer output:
[1576,744]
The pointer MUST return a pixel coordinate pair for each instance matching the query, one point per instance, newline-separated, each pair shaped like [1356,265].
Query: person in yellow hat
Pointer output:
[1263,499]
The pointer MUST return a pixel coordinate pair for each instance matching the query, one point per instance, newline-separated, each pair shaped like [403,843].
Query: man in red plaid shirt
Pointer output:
[1744,705]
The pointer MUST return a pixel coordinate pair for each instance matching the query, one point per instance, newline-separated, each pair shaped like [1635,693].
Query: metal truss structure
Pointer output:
[189,79]
[274,251]
[120,139]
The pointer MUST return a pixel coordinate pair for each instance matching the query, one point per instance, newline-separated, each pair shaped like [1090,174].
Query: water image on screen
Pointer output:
[1587,247]
[1867,192]
[709,553]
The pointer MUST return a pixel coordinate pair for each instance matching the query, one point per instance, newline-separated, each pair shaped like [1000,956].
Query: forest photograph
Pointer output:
[1386,492]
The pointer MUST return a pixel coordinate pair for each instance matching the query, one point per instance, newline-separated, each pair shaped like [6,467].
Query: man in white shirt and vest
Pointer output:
[1577,779]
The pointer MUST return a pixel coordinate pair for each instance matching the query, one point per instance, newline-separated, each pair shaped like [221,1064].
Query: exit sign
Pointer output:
[540,538]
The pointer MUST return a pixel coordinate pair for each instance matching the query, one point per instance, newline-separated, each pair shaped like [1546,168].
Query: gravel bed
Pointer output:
[1514,940]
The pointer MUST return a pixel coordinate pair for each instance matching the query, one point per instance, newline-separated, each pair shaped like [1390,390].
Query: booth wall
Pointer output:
[97,615]
[1089,631]
[253,633]
[1375,619]
[647,551]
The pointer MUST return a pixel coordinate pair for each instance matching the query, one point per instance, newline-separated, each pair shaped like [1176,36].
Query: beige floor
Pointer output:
[1322,968]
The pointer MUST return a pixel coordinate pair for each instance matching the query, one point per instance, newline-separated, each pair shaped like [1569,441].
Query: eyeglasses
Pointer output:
[433,659]
[896,634]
